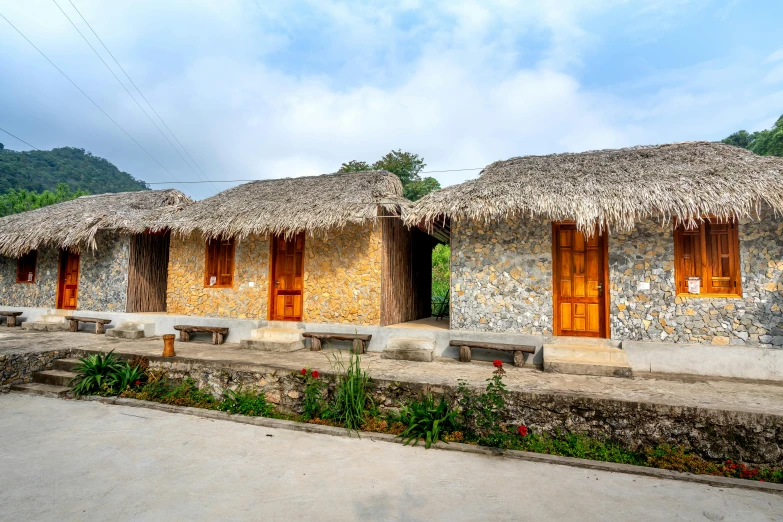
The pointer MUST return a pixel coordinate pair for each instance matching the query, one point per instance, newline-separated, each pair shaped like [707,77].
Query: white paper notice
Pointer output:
[212,280]
[694,285]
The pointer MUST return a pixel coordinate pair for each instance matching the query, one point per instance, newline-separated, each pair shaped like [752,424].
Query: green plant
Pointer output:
[187,393]
[127,376]
[96,373]
[313,400]
[423,419]
[245,403]
[482,415]
[352,401]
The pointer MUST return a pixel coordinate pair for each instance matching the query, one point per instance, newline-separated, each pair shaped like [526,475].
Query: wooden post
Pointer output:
[73,325]
[464,353]
[100,328]
[11,320]
[184,336]
[358,346]
[215,337]
[519,359]
[315,344]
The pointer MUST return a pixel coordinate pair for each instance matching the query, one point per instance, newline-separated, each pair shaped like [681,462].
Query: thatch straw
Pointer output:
[74,224]
[614,189]
[291,205]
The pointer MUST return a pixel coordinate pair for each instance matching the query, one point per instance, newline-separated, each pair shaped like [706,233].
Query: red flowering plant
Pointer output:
[522,430]
[484,415]
[313,400]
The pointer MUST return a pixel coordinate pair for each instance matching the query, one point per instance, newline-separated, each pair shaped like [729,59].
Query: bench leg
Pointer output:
[519,359]
[221,338]
[217,338]
[315,344]
[100,328]
[358,346]
[464,353]
[184,336]
[73,326]
[11,321]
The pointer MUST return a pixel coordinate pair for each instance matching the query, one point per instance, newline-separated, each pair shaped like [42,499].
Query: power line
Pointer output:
[91,100]
[142,96]
[248,180]
[20,139]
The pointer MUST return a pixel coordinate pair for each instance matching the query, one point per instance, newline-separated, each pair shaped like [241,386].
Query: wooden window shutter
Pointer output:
[219,263]
[26,267]
[711,253]
[227,262]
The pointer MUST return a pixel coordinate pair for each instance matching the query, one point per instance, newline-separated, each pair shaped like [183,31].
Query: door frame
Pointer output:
[59,293]
[270,313]
[605,295]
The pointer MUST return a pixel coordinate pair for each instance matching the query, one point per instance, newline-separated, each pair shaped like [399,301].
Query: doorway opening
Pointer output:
[68,280]
[287,281]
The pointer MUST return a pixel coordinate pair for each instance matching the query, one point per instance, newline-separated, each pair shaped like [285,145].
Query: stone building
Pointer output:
[667,246]
[94,253]
[320,249]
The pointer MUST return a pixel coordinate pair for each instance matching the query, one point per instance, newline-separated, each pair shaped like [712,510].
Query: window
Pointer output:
[219,263]
[707,259]
[25,270]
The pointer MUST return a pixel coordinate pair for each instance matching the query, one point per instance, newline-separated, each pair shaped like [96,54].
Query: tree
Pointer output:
[21,200]
[407,166]
[767,142]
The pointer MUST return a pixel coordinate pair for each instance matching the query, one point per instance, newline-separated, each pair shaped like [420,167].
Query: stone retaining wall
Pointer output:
[715,434]
[18,368]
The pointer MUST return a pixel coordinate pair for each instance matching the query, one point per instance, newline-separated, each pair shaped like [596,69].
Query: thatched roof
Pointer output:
[74,224]
[291,205]
[615,188]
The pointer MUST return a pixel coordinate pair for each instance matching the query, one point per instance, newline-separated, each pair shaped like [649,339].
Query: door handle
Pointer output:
[277,283]
[600,288]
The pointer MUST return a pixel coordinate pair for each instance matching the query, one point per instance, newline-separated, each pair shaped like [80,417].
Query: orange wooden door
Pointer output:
[580,280]
[287,278]
[68,283]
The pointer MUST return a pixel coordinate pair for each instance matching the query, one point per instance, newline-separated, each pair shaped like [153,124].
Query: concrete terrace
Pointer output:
[683,391]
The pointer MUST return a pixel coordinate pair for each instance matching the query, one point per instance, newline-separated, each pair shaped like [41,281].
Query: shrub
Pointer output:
[246,403]
[352,400]
[128,376]
[424,420]
[187,393]
[482,415]
[313,400]
[96,373]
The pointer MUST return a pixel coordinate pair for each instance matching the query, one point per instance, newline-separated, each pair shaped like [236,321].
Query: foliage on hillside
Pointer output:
[41,170]
[767,142]
[406,166]
[21,200]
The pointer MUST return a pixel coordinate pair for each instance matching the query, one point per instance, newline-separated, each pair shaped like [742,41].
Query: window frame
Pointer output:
[734,252]
[231,245]
[23,280]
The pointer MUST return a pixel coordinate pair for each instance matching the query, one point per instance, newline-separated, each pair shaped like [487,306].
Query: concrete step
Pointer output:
[594,357]
[54,377]
[47,390]
[277,334]
[271,345]
[409,349]
[127,330]
[582,368]
[588,354]
[45,326]
[67,365]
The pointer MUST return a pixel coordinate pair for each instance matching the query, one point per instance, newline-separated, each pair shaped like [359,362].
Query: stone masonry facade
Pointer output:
[40,294]
[103,274]
[501,276]
[343,276]
[187,295]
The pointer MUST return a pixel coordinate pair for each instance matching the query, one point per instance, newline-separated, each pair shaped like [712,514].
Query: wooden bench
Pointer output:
[359,340]
[100,324]
[218,333]
[465,346]
[11,321]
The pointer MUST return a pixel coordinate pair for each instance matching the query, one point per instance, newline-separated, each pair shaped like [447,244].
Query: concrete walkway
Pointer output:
[713,393]
[74,460]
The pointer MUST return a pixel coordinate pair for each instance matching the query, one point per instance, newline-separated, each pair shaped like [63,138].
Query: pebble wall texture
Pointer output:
[42,293]
[18,368]
[501,276]
[187,295]
[647,254]
[343,276]
[103,274]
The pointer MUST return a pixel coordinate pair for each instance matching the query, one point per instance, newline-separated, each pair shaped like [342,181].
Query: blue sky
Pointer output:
[278,88]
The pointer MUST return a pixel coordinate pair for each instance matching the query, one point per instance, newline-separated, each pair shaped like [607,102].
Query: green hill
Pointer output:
[41,170]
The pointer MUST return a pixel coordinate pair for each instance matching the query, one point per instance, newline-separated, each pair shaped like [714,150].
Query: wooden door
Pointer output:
[287,278]
[580,282]
[68,280]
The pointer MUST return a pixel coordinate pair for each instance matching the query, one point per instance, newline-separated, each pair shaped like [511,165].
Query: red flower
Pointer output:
[137,382]
[522,431]
[304,371]
[497,363]
[315,374]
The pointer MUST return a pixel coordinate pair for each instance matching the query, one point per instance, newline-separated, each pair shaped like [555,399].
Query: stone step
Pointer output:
[65,364]
[54,377]
[45,326]
[277,334]
[35,388]
[271,345]
[598,357]
[127,330]
[409,349]
[582,368]
[587,354]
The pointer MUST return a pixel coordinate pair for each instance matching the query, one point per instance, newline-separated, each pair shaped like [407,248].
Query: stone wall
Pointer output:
[42,293]
[18,368]
[501,276]
[647,255]
[343,276]
[187,295]
[103,274]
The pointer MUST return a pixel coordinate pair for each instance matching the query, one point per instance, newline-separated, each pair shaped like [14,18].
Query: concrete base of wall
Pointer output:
[403,349]
[742,362]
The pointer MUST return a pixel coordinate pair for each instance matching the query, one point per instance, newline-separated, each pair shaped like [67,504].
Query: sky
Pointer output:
[270,89]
